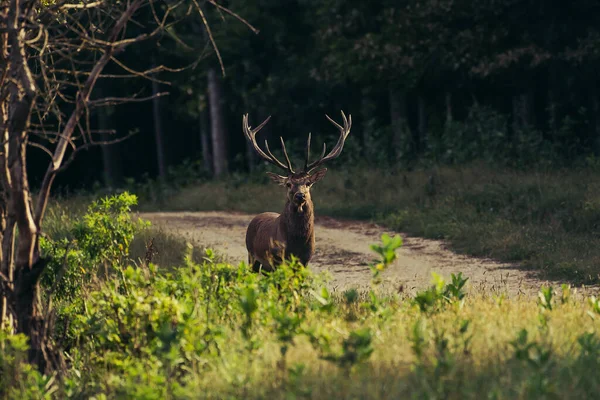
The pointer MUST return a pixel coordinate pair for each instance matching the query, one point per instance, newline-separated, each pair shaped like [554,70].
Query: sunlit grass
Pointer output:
[481,362]
[162,332]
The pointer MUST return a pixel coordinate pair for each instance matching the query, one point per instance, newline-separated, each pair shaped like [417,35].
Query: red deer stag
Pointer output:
[270,236]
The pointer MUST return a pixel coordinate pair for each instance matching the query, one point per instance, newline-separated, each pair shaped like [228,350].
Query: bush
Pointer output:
[101,237]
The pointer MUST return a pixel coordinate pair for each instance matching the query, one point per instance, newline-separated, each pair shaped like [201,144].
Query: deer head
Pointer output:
[298,184]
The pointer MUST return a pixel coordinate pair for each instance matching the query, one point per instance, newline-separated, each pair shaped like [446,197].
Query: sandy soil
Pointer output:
[343,250]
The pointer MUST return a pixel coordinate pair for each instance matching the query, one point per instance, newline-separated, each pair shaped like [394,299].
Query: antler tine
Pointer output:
[285,154]
[337,150]
[307,167]
[275,160]
[307,152]
[251,136]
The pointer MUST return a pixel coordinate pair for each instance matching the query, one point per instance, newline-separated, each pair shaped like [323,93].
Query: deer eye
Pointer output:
[288,184]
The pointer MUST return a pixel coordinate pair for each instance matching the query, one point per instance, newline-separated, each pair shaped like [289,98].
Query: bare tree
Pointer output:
[52,54]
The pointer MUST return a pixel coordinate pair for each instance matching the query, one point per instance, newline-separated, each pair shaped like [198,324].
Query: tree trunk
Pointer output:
[422,124]
[552,114]
[399,124]
[28,265]
[516,123]
[596,120]
[529,108]
[552,100]
[5,232]
[20,101]
[449,116]
[523,111]
[366,117]
[158,133]
[7,265]
[205,140]
[3,285]
[217,123]
[28,308]
[110,154]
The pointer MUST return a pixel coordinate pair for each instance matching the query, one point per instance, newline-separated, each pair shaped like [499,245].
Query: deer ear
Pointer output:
[278,179]
[317,176]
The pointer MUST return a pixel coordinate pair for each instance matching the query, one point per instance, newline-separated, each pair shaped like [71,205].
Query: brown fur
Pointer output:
[271,237]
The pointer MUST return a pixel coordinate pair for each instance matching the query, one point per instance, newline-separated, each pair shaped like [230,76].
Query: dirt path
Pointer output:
[343,250]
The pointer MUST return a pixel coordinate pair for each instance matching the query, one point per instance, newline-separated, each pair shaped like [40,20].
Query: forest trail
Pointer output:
[343,250]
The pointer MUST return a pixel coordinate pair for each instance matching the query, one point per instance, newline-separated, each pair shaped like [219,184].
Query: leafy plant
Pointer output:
[565,295]
[594,303]
[545,298]
[249,305]
[102,236]
[18,378]
[454,291]
[387,253]
[530,352]
[417,338]
[356,348]
[441,293]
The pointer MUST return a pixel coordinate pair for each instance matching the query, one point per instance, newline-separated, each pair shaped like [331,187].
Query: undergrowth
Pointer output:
[209,329]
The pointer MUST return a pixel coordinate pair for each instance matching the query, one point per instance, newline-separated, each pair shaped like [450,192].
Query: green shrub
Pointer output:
[214,330]
[101,237]
[19,380]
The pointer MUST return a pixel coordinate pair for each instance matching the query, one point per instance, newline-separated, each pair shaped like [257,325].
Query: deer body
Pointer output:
[272,237]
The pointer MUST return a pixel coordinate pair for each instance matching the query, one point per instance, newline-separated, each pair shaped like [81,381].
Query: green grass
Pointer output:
[208,329]
[190,334]
[545,221]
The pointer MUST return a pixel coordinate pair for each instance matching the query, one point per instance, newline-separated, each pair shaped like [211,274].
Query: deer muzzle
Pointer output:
[299,198]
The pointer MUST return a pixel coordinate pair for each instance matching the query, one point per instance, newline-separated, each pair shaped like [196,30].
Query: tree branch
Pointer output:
[82,98]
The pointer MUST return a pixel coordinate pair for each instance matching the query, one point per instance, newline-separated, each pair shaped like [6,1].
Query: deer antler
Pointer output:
[251,136]
[337,150]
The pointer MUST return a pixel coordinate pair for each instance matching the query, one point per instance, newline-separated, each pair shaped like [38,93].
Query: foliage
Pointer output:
[441,293]
[84,247]
[387,252]
[219,329]
[102,236]
[20,380]
[311,58]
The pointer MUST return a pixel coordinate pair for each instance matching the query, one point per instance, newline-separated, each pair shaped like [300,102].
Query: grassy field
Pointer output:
[545,221]
[190,326]
[208,329]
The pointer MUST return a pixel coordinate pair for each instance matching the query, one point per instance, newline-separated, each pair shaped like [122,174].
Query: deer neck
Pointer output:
[298,224]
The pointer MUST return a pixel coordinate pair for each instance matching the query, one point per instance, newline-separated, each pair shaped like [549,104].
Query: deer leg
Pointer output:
[256,267]
[255,264]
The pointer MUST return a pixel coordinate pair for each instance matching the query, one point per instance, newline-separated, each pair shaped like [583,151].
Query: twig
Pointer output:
[109,101]
[228,11]
[210,36]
